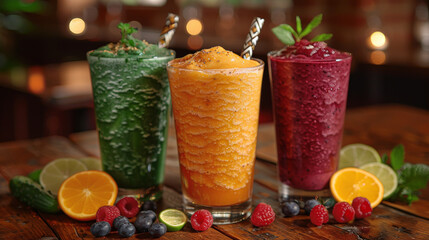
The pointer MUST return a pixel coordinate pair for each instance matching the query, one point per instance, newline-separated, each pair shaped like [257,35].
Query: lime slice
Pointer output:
[92,163]
[385,174]
[356,155]
[173,219]
[55,172]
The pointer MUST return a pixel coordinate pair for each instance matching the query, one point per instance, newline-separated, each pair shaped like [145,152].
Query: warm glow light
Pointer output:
[194,27]
[195,42]
[377,40]
[377,57]
[36,80]
[77,26]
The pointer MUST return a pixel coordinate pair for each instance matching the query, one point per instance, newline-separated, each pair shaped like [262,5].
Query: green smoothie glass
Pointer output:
[132,107]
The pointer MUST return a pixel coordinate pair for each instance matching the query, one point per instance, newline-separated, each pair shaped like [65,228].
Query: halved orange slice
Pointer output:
[349,183]
[82,194]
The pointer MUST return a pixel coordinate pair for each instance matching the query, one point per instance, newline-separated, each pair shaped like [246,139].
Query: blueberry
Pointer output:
[309,204]
[143,224]
[148,205]
[148,213]
[300,203]
[119,221]
[100,229]
[290,209]
[127,230]
[157,230]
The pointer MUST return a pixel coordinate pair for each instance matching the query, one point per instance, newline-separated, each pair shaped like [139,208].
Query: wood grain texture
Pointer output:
[388,221]
[17,219]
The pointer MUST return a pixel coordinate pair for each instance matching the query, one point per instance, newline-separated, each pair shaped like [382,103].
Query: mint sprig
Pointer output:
[126,31]
[411,177]
[287,35]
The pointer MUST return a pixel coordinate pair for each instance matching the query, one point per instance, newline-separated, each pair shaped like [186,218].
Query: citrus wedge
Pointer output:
[349,183]
[356,155]
[91,163]
[81,195]
[173,219]
[385,174]
[55,172]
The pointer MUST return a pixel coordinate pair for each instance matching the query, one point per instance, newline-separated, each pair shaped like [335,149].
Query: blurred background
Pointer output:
[45,87]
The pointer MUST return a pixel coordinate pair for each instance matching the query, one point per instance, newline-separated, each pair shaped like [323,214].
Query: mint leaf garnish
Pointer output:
[313,24]
[411,177]
[126,31]
[322,37]
[283,34]
[298,25]
[287,35]
[414,176]
[397,157]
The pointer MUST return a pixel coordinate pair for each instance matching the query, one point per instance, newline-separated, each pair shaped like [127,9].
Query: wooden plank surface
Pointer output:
[20,158]
[59,225]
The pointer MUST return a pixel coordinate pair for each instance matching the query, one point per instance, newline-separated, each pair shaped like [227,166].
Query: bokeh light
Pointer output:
[195,42]
[377,40]
[77,26]
[194,27]
[377,57]
[36,80]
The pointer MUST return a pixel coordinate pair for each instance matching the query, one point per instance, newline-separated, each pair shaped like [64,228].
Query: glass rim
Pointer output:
[346,54]
[140,57]
[220,70]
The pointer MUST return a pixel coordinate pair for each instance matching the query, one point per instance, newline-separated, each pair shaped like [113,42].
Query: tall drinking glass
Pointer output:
[216,115]
[132,106]
[309,99]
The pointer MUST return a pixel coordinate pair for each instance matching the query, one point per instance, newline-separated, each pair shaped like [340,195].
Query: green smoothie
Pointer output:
[132,107]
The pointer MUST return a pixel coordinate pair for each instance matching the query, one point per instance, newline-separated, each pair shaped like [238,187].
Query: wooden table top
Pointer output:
[380,126]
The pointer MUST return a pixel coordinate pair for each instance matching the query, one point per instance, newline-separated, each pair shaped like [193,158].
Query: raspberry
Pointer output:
[362,207]
[263,215]
[201,220]
[319,215]
[343,212]
[128,206]
[107,214]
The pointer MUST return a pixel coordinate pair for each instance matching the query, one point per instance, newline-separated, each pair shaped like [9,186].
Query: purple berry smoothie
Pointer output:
[309,84]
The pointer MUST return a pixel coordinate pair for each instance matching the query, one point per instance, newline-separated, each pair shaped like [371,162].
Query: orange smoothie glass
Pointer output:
[215,96]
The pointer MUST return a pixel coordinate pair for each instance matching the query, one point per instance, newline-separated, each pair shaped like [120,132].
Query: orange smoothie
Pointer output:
[215,96]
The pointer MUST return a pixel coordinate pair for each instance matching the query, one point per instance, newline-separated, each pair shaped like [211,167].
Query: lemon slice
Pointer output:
[173,219]
[356,155]
[385,174]
[92,163]
[349,183]
[55,172]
